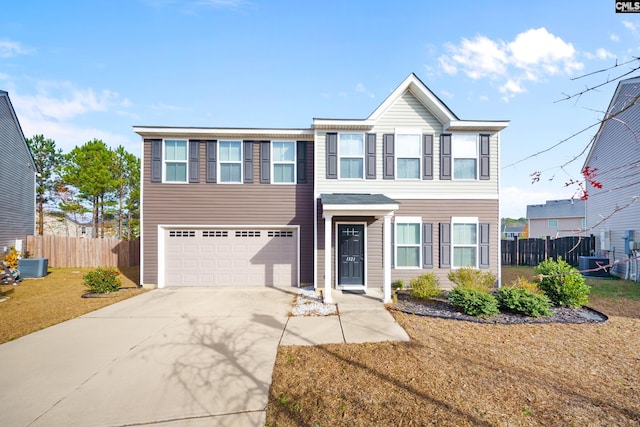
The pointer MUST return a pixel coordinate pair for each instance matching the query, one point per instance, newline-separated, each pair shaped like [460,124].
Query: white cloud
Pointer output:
[361,89]
[631,26]
[600,53]
[446,94]
[614,37]
[10,48]
[532,56]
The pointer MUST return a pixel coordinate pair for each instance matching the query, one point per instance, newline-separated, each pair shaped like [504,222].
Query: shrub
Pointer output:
[523,301]
[563,284]
[11,257]
[102,280]
[473,279]
[522,283]
[474,302]
[425,286]
[398,284]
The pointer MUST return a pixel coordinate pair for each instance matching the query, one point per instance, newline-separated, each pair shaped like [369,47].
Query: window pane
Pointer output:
[408,234]
[176,172]
[351,145]
[407,145]
[282,173]
[230,151]
[408,168]
[283,152]
[230,172]
[464,145]
[175,150]
[408,257]
[464,234]
[351,168]
[464,168]
[464,257]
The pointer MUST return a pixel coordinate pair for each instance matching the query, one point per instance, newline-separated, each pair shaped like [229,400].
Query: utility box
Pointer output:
[593,263]
[33,267]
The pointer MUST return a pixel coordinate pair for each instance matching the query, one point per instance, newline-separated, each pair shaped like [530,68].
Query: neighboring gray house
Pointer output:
[18,178]
[613,211]
[511,233]
[557,218]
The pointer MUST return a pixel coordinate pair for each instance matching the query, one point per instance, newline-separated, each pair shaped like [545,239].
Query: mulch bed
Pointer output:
[441,308]
[108,294]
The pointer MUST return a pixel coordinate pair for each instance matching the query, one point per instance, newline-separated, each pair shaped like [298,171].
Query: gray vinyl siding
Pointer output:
[17,212]
[616,155]
[431,211]
[227,204]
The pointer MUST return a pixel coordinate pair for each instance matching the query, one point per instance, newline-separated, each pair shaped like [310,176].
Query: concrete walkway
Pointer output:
[171,357]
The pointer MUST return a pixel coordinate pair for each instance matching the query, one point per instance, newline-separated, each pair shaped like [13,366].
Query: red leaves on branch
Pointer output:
[589,174]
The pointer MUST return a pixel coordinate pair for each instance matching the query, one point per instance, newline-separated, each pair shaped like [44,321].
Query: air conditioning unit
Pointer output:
[605,240]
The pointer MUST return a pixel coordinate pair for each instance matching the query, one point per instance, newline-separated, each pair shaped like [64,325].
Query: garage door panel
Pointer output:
[214,257]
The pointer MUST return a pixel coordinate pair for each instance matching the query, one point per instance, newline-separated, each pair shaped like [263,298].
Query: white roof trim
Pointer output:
[160,131]
[342,124]
[476,125]
[360,210]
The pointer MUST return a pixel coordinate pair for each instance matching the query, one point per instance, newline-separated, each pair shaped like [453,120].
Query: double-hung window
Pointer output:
[407,242]
[175,160]
[464,242]
[351,155]
[284,162]
[407,147]
[230,160]
[465,156]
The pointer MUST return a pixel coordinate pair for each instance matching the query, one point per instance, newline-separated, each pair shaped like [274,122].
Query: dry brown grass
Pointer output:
[455,373]
[41,302]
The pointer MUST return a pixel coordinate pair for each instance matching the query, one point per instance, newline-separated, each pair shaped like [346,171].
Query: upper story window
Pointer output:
[284,162]
[351,155]
[175,160]
[230,160]
[407,242]
[553,223]
[464,242]
[465,156]
[407,148]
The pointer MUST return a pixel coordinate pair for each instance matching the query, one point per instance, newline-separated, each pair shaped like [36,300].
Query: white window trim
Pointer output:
[464,220]
[294,163]
[408,131]
[220,162]
[454,157]
[165,161]
[363,157]
[407,220]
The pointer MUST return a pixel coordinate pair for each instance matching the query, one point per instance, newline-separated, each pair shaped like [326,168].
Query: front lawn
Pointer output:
[37,303]
[455,373]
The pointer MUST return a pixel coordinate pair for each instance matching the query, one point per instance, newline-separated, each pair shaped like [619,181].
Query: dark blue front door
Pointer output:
[350,254]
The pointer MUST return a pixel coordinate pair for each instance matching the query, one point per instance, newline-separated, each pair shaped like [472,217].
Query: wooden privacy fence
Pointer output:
[64,251]
[534,251]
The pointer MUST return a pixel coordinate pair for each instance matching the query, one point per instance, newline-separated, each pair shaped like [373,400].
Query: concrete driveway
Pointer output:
[181,357]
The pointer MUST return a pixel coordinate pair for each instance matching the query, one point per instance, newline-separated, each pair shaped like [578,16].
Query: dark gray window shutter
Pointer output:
[445,156]
[388,170]
[212,154]
[301,154]
[371,156]
[484,245]
[393,245]
[427,245]
[427,156]
[484,157]
[247,163]
[265,162]
[445,245]
[156,160]
[332,156]
[194,161]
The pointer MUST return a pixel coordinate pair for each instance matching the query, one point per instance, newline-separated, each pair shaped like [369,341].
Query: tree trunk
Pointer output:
[96,223]
[40,217]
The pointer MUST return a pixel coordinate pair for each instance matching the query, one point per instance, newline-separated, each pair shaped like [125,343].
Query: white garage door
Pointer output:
[231,257]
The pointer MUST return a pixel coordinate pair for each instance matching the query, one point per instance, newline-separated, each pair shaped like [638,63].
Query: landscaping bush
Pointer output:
[11,257]
[562,283]
[523,301]
[522,283]
[398,284]
[473,279]
[425,286]
[102,280]
[474,302]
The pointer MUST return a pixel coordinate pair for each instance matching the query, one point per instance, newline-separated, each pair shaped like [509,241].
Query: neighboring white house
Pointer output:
[613,211]
[71,225]
[557,218]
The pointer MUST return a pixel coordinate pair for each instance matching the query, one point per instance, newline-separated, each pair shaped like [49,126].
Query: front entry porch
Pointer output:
[343,218]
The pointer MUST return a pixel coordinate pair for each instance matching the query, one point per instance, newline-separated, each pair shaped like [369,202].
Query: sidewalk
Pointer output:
[361,318]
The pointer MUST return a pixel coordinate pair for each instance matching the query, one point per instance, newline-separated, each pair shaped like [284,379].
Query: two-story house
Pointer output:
[557,218]
[347,204]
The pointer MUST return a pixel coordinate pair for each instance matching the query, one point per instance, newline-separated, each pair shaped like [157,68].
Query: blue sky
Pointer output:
[78,70]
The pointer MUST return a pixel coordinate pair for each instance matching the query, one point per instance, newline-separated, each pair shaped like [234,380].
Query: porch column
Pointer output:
[327,259]
[386,259]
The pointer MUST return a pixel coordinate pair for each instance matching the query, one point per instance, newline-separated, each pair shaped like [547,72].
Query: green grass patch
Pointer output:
[614,288]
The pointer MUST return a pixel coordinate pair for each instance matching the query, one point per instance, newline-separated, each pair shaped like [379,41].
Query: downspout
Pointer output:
[499,218]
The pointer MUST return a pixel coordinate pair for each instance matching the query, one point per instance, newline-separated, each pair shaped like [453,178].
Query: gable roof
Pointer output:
[615,108]
[4,94]
[565,208]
